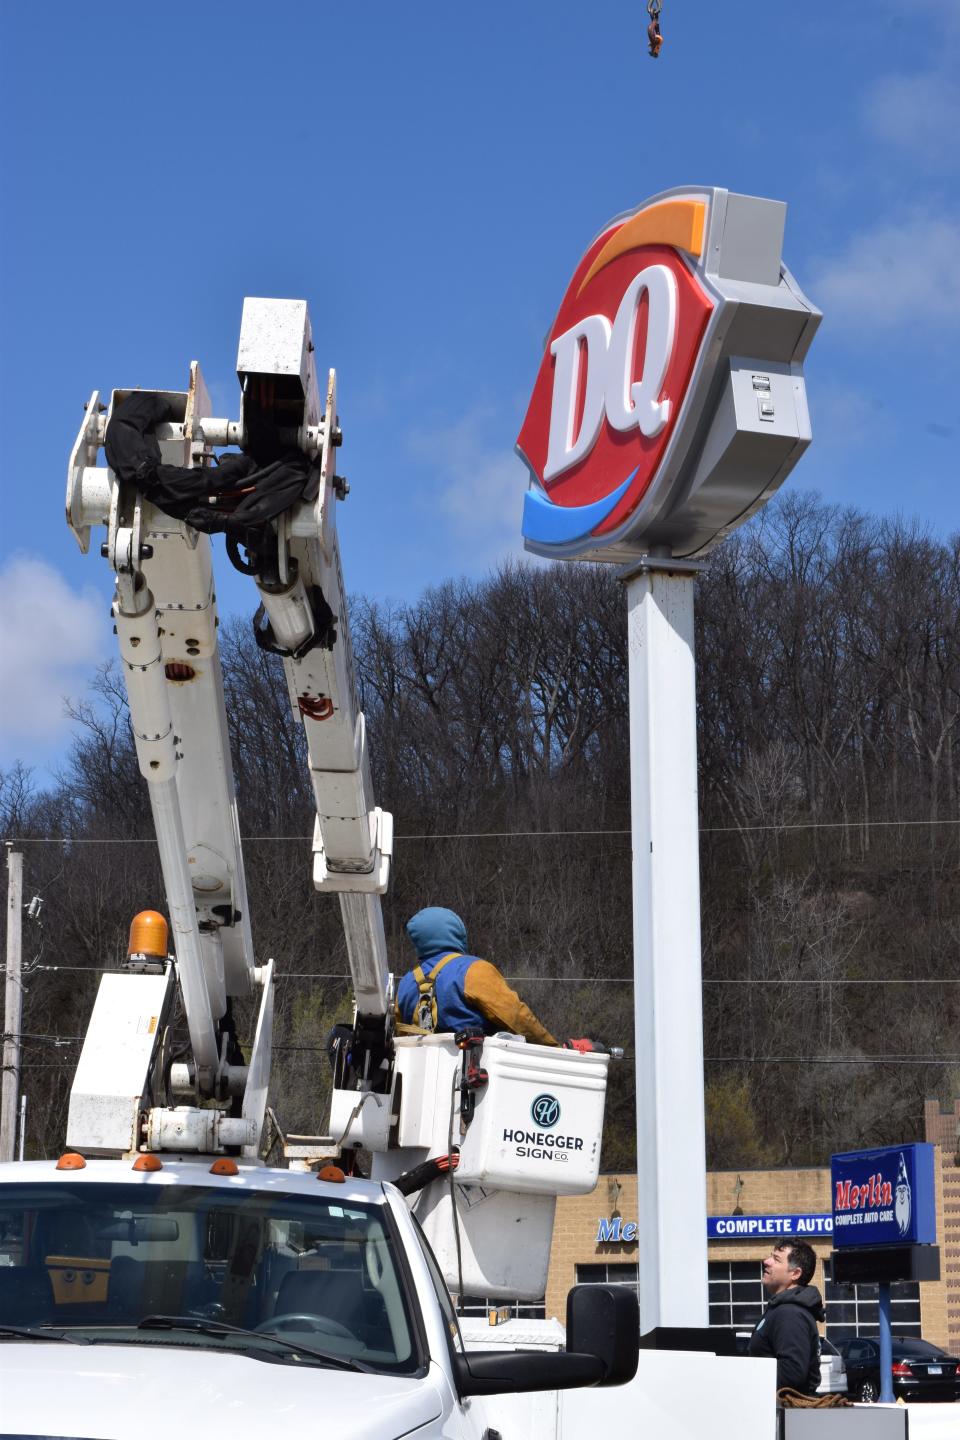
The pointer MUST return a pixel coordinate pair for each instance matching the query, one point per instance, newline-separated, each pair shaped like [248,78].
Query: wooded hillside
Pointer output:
[829,695]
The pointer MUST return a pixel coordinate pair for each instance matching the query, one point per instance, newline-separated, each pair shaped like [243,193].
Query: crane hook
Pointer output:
[654,38]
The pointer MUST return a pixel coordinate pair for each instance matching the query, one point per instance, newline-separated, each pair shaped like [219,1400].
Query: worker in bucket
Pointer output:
[450,990]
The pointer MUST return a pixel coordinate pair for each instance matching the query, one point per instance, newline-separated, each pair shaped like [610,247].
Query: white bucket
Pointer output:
[538,1123]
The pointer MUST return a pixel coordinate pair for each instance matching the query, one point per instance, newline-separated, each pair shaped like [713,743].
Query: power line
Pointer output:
[41,1065]
[51,1039]
[750,1059]
[554,979]
[831,1060]
[900,980]
[518,834]
[703,829]
[711,1059]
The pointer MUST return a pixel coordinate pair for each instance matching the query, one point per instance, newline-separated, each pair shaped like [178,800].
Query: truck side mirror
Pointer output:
[603,1347]
[604,1321]
[512,1372]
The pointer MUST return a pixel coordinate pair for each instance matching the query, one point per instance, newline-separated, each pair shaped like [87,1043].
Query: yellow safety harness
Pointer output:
[425,1011]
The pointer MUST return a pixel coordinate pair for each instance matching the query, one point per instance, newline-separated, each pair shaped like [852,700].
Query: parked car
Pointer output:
[921,1371]
[833,1370]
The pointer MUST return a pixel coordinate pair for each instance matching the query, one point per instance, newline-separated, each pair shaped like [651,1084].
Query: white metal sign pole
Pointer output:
[671,1164]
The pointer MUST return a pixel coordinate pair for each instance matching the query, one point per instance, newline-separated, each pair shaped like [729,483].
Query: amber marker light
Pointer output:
[148,1162]
[332,1174]
[71,1161]
[224,1167]
[148,935]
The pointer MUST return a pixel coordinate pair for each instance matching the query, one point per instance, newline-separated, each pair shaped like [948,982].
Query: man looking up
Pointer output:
[450,990]
[788,1330]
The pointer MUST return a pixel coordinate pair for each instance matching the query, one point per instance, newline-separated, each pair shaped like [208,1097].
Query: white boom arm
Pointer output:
[166,622]
[165,615]
[305,610]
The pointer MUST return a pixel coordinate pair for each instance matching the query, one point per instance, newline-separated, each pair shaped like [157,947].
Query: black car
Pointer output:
[921,1371]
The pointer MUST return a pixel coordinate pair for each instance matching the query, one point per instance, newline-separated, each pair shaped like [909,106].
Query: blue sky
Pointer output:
[427,176]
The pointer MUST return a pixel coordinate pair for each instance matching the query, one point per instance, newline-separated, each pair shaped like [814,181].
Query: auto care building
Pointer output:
[749,1210]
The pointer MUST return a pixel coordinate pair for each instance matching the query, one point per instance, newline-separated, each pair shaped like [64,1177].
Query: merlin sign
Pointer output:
[884,1197]
[670,402]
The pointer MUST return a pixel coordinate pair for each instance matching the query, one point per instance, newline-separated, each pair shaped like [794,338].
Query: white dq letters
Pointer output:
[607,351]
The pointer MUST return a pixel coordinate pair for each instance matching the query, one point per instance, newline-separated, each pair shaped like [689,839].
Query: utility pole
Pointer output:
[12,1006]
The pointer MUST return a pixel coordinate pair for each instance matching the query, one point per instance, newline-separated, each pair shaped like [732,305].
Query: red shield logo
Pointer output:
[616,369]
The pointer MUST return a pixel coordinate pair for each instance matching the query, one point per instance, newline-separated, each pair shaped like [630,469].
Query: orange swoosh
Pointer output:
[673,222]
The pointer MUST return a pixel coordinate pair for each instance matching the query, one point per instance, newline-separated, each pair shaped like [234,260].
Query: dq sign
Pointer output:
[636,368]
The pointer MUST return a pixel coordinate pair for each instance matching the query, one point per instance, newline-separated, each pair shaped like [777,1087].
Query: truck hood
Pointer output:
[110,1392]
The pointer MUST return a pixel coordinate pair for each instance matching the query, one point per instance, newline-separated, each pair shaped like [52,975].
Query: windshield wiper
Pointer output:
[42,1332]
[201,1326]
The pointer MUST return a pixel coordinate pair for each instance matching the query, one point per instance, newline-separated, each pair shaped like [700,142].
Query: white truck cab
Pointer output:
[243,1300]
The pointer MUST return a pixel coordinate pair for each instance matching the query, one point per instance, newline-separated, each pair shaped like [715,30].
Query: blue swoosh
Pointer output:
[550,524]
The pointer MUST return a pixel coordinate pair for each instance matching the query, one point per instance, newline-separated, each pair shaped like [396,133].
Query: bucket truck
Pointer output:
[159,1236]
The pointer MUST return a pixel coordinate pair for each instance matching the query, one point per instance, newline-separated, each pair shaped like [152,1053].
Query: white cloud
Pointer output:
[918,113]
[52,638]
[479,490]
[946,13]
[844,417]
[917,110]
[897,276]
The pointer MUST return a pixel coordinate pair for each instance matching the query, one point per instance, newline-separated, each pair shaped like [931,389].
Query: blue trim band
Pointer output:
[550,524]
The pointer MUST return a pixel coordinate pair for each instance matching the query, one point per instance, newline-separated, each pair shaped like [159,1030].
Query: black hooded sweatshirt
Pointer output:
[788,1334]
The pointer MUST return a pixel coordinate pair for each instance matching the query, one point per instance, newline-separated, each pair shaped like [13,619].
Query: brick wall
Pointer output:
[942,1128]
[574,1235]
[764,1192]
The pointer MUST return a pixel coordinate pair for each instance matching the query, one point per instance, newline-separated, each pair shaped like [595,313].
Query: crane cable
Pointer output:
[654,38]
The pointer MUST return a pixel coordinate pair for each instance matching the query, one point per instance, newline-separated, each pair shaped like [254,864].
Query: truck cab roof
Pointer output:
[177,1170]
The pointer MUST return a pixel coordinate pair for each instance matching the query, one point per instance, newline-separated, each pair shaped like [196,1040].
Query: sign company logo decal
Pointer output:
[616,368]
[545,1111]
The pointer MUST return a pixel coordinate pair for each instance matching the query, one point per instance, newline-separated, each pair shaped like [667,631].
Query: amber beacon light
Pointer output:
[148,935]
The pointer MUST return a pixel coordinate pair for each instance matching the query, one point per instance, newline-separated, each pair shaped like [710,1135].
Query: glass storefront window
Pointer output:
[736,1300]
[735,1293]
[519,1309]
[607,1274]
[855,1309]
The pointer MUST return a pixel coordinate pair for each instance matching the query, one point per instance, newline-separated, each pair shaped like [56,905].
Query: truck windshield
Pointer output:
[98,1260]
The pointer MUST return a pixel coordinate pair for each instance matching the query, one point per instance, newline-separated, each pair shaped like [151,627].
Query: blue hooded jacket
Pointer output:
[436,932]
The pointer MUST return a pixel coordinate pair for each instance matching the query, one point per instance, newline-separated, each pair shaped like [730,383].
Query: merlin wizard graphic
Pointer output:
[670,402]
[903,1197]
